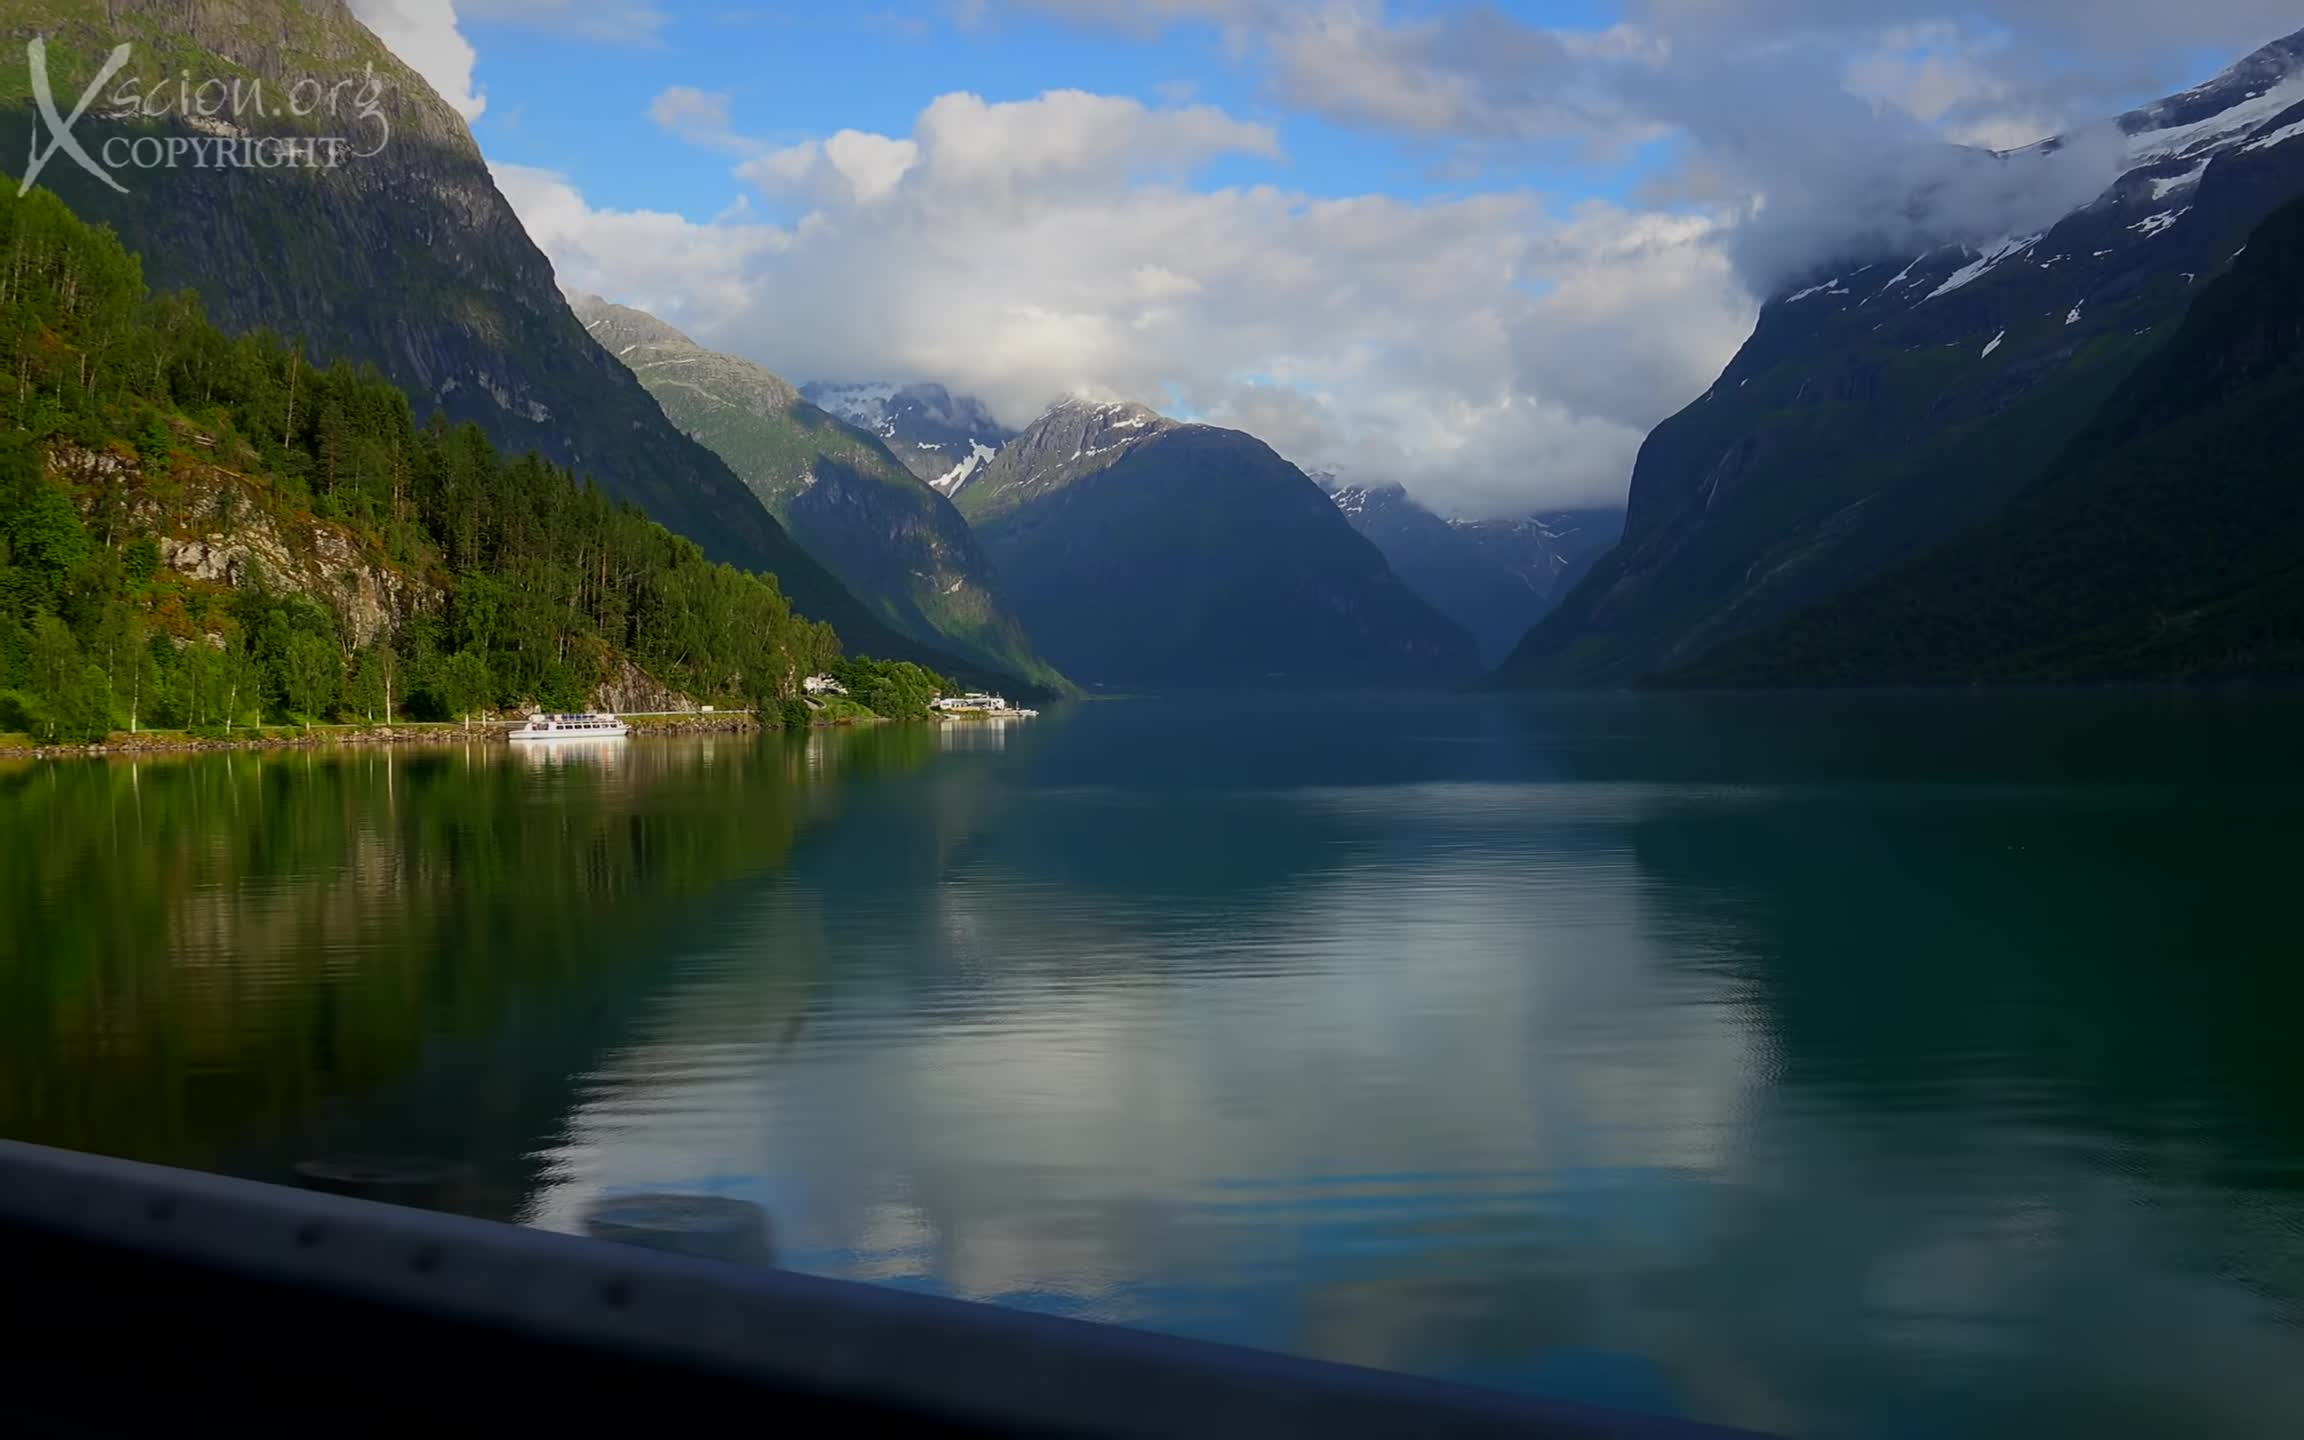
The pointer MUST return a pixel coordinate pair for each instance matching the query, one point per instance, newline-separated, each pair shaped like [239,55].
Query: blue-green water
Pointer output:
[1880,1067]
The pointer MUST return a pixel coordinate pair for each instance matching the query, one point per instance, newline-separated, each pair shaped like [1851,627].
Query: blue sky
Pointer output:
[1477,249]
[575,105]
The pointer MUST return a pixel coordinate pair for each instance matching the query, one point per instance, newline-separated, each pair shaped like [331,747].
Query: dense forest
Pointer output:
[424,575]
[2165,544]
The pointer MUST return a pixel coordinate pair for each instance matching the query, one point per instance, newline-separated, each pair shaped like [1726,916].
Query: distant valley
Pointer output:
[1493,577]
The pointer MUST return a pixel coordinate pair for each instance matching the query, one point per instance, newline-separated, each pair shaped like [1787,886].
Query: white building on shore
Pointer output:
[975,701]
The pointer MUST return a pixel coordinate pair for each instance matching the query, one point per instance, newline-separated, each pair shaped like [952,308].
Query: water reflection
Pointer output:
[981,732]
[1850,1069]
[201,956]
[603,753]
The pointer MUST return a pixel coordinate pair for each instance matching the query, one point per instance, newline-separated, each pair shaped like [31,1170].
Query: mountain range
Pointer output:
[1493,577]
[1142,551]
[895,542]
[1892,402]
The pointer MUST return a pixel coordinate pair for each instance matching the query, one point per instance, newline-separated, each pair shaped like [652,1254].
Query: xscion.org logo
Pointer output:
[217,109]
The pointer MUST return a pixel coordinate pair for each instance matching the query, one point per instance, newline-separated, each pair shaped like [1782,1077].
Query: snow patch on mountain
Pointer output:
[979,455]
[2162,189]
[2005,248]
[2210,134]
[2280,136]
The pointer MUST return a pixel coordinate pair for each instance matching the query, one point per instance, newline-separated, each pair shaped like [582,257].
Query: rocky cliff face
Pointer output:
[407,259]
[213,525]
[633,691]
[1142,551]
[896,543]
[1882,406]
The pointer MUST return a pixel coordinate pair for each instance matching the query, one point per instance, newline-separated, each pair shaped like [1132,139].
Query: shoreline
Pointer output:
[329,737]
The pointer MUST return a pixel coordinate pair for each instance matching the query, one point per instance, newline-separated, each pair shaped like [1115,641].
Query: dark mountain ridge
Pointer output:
[1142,551]
[2167,543]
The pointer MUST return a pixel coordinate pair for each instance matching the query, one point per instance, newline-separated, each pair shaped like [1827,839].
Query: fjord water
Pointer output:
[1866,1067]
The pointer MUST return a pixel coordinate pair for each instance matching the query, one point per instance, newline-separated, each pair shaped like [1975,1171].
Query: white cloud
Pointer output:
[1026,249]
[1073,137]
[425,37]
[683,272]
[1475,74]
[697,116]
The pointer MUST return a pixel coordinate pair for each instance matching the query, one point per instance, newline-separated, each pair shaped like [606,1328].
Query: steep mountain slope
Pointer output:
[406,258]
[2167,542]
[898,545]
[1142,551]
[941,437]
[1493,577]
[1891,404]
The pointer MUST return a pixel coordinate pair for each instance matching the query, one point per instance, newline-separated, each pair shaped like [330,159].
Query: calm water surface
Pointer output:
[1873,1067]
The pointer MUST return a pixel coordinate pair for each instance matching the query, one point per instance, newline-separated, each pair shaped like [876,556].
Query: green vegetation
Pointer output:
[2167,542]
[897,689]
[132,425]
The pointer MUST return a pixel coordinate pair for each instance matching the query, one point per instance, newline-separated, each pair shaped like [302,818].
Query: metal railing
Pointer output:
[138,1298]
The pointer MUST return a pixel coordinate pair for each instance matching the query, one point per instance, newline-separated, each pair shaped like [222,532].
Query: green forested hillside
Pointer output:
[201,531]
[2166,543]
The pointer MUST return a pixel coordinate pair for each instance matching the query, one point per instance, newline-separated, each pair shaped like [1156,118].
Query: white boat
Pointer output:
[571,727]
